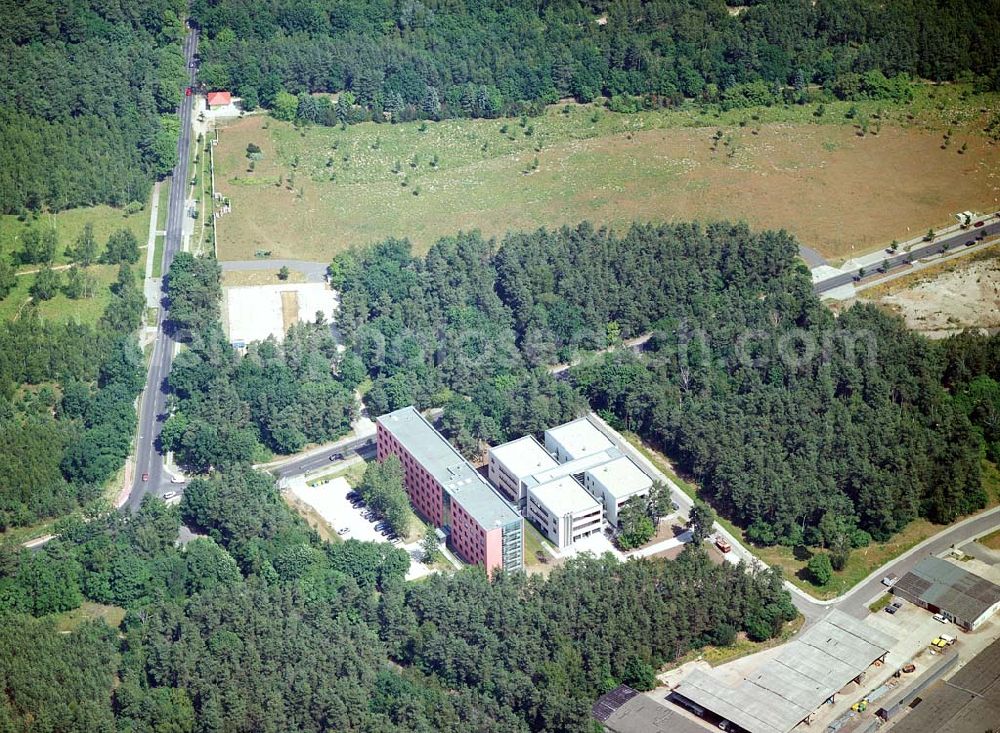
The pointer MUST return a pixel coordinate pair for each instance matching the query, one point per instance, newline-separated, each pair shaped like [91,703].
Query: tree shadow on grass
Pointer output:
[801,553]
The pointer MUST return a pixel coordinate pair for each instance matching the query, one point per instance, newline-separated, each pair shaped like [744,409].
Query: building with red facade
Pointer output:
[482,527]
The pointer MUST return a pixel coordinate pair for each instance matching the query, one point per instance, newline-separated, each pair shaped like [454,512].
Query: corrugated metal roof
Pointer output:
[939,583]
[786,690]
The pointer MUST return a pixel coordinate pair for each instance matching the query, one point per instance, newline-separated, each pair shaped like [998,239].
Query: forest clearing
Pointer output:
[318,190]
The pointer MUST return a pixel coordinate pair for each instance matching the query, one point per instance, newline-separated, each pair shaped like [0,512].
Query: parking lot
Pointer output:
[331,502]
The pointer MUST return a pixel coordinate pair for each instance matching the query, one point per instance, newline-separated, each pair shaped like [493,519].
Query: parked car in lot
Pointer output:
[169,495]
[891,609]
[940,618]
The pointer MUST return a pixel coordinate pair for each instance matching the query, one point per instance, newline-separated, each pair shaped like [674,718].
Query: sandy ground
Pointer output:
[966,295]
[255,312]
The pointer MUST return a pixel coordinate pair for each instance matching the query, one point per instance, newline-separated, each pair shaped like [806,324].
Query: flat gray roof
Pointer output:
[449,467]
[963,703]
[523,456]
[564,496]
[640,714]
[580,465]
[579,437]
[621,477]
[783,692]
[939,583]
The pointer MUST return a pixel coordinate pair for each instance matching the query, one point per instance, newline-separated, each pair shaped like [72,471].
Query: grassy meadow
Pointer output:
[68,224]
[319,190]
[61,308]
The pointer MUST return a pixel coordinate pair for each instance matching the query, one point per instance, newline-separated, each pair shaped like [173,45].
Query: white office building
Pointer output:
[574,440]
[511,463]
[564,511]
[615,482]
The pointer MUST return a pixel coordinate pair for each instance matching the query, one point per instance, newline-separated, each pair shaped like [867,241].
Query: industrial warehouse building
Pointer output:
[624,710]
[943,587]
[788,690]
[564,511]
[481,526]
[969,702]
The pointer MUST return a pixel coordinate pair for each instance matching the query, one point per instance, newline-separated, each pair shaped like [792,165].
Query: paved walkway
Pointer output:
[662,546]
[315,272]
[151,237]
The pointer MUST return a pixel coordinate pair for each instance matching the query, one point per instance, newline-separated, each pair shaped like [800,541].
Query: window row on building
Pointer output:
[573,486]
[481,526]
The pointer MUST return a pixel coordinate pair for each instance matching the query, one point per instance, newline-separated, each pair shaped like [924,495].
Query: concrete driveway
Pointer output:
[314,272]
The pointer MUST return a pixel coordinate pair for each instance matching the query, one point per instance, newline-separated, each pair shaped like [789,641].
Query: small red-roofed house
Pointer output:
[218,99]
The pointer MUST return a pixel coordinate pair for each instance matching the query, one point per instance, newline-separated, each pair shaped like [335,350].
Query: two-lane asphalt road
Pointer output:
[363,446]
[952,242]
[152,411]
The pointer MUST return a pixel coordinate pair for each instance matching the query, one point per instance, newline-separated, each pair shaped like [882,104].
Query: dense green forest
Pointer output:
[87,95]
[785,414]
[427,58]
[434,332]
[261,626]
[66,405]
[229,408]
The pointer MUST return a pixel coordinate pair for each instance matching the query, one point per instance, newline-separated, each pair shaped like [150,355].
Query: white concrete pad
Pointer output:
[254,311]
[596,544]
[844,292]
[824,272]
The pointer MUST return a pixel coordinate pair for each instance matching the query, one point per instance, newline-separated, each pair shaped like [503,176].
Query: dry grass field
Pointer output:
[319,190]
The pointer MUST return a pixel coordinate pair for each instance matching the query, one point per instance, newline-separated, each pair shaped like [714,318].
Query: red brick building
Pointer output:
[482,527]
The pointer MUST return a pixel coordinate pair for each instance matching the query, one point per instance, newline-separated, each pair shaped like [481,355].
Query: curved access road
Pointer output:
[855,601]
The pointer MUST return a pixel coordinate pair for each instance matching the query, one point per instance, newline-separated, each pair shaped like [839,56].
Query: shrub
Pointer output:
[820,569]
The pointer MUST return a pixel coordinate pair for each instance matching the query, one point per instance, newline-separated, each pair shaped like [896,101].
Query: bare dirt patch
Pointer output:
[959,295]
[319,191]
[289,308]
[253,313]
[991,540]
